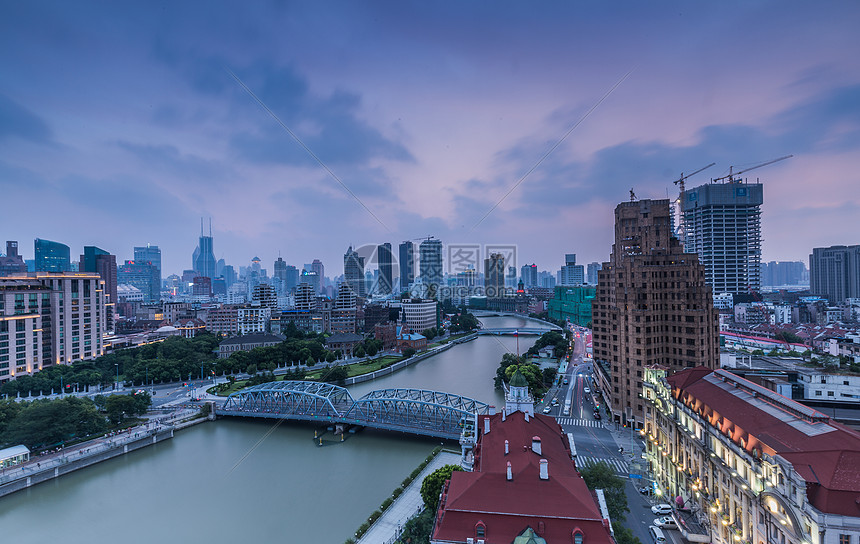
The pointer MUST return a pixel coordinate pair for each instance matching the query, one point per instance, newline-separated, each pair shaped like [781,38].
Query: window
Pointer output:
[844,539]
[578,537]
[480,529]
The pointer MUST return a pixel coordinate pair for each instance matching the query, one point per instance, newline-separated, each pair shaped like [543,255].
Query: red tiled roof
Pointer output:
[825,453]
[559,504]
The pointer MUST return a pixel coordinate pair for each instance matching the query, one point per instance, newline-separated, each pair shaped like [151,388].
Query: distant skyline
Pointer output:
[122,125]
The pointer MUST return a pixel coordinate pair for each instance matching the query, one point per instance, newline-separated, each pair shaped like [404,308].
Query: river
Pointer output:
[251,481]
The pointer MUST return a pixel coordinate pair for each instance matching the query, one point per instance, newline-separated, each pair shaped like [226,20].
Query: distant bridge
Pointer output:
[415,411]
[525,331]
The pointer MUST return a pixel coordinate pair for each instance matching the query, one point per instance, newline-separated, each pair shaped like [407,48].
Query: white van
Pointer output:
[657,535]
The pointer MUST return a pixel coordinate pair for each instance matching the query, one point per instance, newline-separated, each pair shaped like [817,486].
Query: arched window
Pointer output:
[480,530]
[578,537]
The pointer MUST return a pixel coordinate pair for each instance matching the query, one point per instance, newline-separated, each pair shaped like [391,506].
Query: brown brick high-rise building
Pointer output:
[652,307]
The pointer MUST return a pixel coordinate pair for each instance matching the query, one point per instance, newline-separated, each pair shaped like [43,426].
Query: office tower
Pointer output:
[12,264]
[591,272]
[292,277]
[430,265]
[407,264]
[144,276]
[546,279]
[52,256]
[722,223]
[494,275]
[780,273]
[149,254]
[310,277]
[652,307]
[280,270]
[386,268]
[201,288]
[203,258]
[99,261]
[319,269]
[834,272]
[229,274]
[353,272]
[529,275]
[571,273]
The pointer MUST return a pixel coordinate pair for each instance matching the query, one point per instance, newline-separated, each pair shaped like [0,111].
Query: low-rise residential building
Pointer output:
[223,320]
[755,466]
[345,342]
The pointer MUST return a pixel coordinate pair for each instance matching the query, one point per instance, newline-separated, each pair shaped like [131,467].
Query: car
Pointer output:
[566,411]
[587,390]
[555,401]
[596,415]
[566,381]
[666,522]
[548,409]
[646,490]
[661,509]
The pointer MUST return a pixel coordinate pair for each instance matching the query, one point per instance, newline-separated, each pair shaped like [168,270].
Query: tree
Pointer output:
[371,349]
[624,535]
[431,487]
[330,357]
[359,352]
[549,375]
[337,375]
[408,352]
[757,352]
[602,476]
[310,361]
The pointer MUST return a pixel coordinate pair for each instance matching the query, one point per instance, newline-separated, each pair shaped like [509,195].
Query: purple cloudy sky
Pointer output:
[120,123]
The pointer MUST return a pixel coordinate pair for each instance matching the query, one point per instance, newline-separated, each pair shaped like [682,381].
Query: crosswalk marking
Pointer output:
[578,422]
[621,467]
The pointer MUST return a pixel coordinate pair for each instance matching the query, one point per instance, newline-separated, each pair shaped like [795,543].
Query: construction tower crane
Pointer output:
[423,238]
[731,176]
[680,181]
[680,233]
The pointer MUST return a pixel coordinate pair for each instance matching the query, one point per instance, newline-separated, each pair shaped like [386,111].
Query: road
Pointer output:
[597,440]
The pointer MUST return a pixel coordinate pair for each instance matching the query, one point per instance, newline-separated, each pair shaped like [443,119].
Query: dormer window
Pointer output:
[480,530]
[578,537]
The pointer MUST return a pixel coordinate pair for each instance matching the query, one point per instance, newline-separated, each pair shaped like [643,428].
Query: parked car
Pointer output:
[666,522]
[587,390]
[661,509]
[646,490]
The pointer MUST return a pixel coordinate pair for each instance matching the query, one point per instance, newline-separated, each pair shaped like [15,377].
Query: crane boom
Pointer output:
[731,176]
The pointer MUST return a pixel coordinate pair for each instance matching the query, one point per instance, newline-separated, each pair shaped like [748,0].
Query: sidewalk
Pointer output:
[406,506]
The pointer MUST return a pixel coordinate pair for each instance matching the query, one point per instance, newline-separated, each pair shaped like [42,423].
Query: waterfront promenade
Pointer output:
[389,525]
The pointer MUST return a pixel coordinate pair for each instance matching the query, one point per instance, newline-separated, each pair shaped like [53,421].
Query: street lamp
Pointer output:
[116,384]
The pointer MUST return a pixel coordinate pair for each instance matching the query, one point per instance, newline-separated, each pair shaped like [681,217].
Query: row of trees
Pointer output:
[602,476]
[557,340]
[44,423]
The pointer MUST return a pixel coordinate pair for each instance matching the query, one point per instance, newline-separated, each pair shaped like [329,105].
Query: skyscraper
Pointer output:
[430,265]
[142,275]
[834,272]
[571,273]
[149,254]
[353,272]
[292,277]
[386,268]
[104,264]
[203,258]
[529,275]
[722,223]
[52,256]
[591,272]
[319,269]
[407,264]
[652,307]
[494,275]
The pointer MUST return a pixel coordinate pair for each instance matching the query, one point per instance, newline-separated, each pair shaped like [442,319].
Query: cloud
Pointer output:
[16,121]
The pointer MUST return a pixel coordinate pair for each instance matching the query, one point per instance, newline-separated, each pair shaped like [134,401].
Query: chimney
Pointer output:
[486,425]
[536,445]
[510,474]
[527,416]
[506,447]
[544,469]
[504,413]
[492,410]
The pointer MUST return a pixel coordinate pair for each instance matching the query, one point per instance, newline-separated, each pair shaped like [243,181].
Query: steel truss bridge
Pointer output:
[415,411]
[525,331]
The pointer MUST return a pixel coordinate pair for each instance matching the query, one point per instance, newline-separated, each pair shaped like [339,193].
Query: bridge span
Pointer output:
[415,411]
[524,331]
